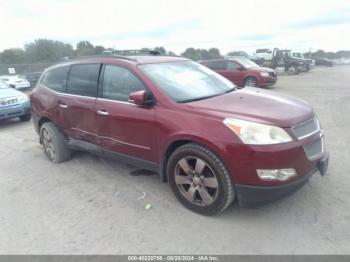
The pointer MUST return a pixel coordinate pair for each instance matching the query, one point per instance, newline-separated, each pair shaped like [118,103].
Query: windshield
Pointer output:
[246,63]
[3,85]
[187,81]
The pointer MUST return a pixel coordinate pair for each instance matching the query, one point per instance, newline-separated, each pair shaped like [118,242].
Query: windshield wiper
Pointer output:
[197,98]
[205,97]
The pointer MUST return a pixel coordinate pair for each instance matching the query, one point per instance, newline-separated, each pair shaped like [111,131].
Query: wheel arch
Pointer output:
[257,79]
[42,121]
[176,143]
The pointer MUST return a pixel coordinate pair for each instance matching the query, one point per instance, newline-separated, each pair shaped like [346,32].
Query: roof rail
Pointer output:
[69,58]
[132,52]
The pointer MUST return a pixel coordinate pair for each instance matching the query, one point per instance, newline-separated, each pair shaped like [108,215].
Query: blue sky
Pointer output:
[226,24]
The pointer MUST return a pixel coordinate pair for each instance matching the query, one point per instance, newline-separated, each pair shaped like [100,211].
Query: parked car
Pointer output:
[32,77]
[212,142]
[15,81]
[243,72]
[13,103]
[324,62]
[235,54]
[265,54]
[301,55]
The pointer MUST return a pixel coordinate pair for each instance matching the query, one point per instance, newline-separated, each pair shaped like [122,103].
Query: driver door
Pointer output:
[125,128]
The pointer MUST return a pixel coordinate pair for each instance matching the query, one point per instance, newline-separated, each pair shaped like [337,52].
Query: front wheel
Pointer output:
[26,117]
[200,180]
[250,81]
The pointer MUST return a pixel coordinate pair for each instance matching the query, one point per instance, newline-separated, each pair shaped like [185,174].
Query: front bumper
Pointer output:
[268,81]
[14,110]
[257,195]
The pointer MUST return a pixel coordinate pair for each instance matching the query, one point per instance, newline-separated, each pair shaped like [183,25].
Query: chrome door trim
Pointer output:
[109,138]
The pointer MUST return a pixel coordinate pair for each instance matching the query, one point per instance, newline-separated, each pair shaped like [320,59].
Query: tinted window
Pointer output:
[56,79]
[217,65]
[232,66]
[83,80]
[119,82]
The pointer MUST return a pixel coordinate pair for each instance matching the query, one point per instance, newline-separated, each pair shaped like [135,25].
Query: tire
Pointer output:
[205,175]
[250,81]
[26,117]
[54,143]
[293,70]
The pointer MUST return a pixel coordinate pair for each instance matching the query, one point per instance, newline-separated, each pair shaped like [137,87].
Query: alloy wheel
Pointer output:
[250,82]
[196,181]
[48,144]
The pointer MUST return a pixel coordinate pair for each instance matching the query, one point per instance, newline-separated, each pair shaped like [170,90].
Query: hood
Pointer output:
[8,92]
[301,60]
[257,105]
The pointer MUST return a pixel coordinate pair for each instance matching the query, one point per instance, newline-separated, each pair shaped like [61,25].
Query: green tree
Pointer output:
[214,53]
[99,49]
[12,56]
[191,53]
[202,54]
[47,51]
[84,48]
[161,50]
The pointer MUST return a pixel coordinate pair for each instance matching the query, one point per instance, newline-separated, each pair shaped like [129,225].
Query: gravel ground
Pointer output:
[89,205]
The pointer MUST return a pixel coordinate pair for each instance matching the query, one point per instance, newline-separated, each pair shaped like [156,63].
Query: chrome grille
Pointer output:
[314,149]
[8,101]
[307,128]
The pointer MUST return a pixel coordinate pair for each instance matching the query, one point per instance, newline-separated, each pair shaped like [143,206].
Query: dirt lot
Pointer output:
[89,205]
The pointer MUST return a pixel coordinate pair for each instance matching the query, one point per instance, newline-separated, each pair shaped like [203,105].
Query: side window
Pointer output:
[217,65]
[83,80]
[232,66]
[56,79]
[119,82]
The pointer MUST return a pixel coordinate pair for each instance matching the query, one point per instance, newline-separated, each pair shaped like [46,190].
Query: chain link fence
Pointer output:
[23,68]
[31,72]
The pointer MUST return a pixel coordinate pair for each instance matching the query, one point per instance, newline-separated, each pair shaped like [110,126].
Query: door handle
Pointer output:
[102,112]
[62,106]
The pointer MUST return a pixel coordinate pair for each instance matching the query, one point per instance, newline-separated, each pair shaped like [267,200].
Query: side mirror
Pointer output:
[141,98]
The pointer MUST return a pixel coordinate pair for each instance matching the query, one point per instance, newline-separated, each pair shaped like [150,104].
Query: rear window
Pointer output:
[83,80]
[56,79]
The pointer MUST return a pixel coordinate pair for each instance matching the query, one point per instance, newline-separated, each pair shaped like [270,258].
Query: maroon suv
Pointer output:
[212,142]
[243,72]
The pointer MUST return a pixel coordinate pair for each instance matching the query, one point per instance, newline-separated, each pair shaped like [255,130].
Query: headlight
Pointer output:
[22,98]
[253,133]
[264,74]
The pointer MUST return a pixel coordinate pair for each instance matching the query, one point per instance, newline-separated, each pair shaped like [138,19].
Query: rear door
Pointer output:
[123,126]
[78,107]
[226,69]
[234,72]
[53,96]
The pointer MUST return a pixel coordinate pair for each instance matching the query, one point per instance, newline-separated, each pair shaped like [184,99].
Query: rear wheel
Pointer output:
[200,180]
[54,143]
[250,81]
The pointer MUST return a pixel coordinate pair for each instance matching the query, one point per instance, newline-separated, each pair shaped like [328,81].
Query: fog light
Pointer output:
[276,174]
